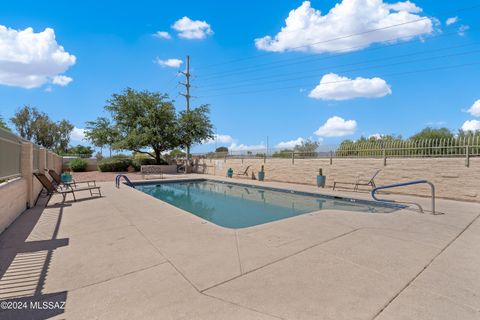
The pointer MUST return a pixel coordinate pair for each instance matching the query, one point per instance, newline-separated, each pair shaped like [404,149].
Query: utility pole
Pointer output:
[187,96]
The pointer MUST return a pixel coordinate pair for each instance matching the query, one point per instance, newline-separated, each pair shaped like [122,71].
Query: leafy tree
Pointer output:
[307,146]
[101,132]
[81,150]
[37,126]
[285,153]
[3,125]
[144,120]
[194,127]
[221,149]
[24,121]
[432,133]
[177,153]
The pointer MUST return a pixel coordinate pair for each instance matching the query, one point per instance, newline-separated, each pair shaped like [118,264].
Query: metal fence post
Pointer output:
[265,158]
[384,157]
[331,157]
[293,157]
[467,156]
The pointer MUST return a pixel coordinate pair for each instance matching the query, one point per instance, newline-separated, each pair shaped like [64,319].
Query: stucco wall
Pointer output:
[13,201]
[451,177]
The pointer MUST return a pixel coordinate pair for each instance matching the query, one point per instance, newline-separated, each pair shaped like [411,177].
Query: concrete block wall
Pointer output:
[452,178]
[18,194]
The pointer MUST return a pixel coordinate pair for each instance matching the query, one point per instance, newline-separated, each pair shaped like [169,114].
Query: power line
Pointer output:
[344,37]
[349,70]
[384,75]
[343,65]
[314,57]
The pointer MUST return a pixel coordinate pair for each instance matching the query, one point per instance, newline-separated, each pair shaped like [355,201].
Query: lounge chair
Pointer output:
[360,182]
[59,182]
[244,172]
[51,189]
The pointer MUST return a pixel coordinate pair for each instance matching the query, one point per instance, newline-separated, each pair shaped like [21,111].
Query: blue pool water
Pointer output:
[235,205]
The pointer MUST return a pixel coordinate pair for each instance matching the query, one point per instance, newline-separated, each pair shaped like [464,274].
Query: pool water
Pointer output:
[233,205]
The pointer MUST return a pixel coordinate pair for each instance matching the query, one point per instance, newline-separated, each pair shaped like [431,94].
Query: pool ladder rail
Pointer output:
[119,177]
[407,184]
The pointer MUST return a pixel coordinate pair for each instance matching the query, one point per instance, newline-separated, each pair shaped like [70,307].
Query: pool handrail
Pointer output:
[405,184]
[120,176]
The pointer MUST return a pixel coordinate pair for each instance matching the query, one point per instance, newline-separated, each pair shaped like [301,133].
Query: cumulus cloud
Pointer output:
[172,63]
[346,26]
[192,29]
[335,87]
[475,109]
[30,59]
[61,80]
[471,125]
[162,35]
[243,147]
[337,127]
[290,144]
[451,21]
[220,138]
[77,134]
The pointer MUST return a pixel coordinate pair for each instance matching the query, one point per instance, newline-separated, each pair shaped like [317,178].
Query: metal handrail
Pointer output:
[120,176]
[405,184]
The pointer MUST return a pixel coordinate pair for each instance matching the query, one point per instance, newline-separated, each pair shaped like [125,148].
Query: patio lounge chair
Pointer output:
[360,182]
[244,172]
[74,183]
[51,189]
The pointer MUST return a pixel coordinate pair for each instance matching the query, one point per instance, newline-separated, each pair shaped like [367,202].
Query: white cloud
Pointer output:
[348,23]
[192,29]
[337,127]
[162,35]
[290,144]
[77,134]
[471,125]
[220,138]
[61,80]
[172,63]
[451,21]
[29,59]
[475,109]
[243,147]
[463,29]
[335,87]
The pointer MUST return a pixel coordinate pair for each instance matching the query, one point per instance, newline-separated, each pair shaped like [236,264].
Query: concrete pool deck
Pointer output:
[128,255]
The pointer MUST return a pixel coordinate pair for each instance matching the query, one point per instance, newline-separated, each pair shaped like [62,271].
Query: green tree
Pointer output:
[177,153]
[37,126]
[285,153]
[221,149]
[101,133]
[307,146]
[194,127]
[144,120]
[24,121]
[3,124]
[84,151]
[432,133]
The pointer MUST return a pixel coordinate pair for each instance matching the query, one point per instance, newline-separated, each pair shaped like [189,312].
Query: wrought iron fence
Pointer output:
[456,147]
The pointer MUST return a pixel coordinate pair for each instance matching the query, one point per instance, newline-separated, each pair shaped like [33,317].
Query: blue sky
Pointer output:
[387,68]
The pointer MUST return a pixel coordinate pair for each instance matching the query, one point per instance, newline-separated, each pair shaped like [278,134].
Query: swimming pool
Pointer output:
[235,205]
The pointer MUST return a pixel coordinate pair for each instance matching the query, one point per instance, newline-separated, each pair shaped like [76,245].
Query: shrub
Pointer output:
[138,162]
[114,164]
[78,165]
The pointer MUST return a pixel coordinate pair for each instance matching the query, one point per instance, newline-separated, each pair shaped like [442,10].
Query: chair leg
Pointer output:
[48,199]
[74,198]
